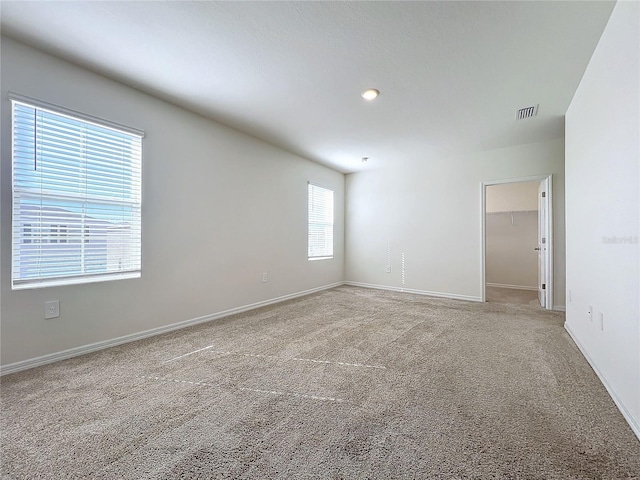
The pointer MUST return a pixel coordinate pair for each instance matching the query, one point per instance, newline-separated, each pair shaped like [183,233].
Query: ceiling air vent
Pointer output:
[527,112]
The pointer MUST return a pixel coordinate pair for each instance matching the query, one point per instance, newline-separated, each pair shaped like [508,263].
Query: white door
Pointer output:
[543,242]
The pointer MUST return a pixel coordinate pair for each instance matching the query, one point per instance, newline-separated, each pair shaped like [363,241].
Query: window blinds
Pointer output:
[320,222]
[76,199]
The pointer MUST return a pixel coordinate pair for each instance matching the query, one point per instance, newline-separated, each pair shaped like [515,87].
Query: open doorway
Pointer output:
[516,239]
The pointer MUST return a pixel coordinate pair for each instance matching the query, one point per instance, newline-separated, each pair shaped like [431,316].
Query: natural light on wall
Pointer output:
[320,222]
[76,199]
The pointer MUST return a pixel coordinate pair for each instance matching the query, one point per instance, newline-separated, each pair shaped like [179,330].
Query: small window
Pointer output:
[320,223]
[76,198]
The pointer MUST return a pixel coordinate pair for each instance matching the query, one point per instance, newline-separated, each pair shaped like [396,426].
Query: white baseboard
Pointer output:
[513,287]
[633,422]
[453,296]
[559,308]
[93,347]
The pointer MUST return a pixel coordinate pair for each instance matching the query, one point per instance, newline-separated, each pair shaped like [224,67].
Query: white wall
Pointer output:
[219,208]
[431,211]
[510,258]
[603,211]
[512,197]
[511,234]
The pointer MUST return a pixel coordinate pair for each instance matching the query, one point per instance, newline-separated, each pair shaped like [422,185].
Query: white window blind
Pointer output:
[320,222]
[76,199]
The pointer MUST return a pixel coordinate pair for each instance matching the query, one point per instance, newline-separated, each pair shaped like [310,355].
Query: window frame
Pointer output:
[24,233]
[327,254]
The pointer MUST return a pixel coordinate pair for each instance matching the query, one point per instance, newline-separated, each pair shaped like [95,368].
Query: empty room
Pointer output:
[333,240]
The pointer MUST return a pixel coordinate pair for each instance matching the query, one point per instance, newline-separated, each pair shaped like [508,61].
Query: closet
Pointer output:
[512,235]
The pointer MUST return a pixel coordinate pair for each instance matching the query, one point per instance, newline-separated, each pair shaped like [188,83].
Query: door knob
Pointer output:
[537,248]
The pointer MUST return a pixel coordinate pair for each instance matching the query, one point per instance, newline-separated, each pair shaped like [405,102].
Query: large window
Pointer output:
[320,222]
[76,198]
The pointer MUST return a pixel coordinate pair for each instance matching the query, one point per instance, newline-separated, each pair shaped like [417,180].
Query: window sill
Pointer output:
[60,282]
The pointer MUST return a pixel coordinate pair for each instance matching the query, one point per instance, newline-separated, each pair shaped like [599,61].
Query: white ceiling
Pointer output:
[451,74]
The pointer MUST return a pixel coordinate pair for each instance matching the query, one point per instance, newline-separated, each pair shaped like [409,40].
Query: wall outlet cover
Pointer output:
[52,309]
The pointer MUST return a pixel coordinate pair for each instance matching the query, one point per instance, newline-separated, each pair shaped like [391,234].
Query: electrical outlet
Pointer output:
[388,269]
[265,277]
[51,309]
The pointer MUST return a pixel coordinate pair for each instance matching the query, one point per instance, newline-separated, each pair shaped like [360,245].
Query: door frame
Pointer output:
[483,222]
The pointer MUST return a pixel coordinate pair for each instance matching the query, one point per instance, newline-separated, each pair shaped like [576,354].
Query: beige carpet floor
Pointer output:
[511,295]
[348,383]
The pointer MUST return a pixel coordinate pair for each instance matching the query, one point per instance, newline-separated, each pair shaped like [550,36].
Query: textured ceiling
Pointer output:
[451,74]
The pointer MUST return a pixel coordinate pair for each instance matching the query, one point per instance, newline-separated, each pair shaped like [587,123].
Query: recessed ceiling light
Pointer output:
[370,94]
